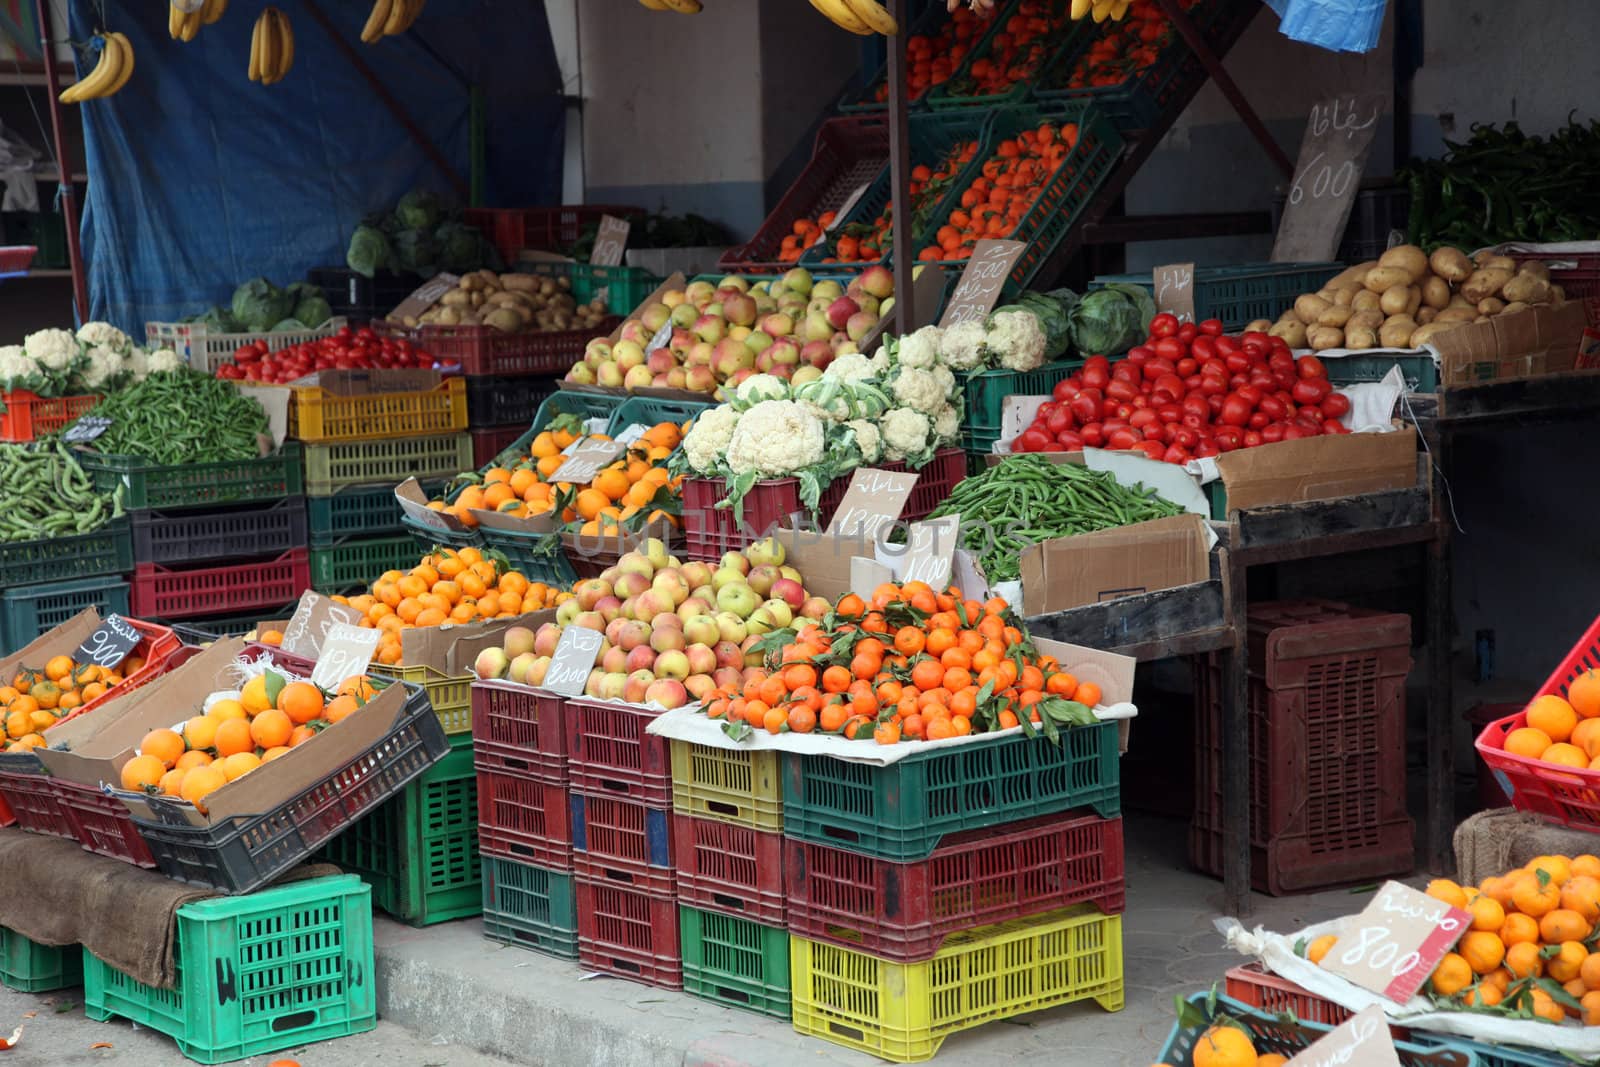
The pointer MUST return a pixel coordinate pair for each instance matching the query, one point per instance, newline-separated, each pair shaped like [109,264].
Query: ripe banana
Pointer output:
[285,50]
[127,64]
[1081,8]
[842,16]
[373,30]
[1102,8]
[106,78]
[655,5]
[175,17]
[873,14]
[255,49]
[213,11]
[416,10]
[684,7]
[398,14]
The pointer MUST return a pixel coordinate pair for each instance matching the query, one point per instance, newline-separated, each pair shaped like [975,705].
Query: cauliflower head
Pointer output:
[853,367]
[946,379]
[1015,340]
[921,390]
[947,424]
[961,347]
[906,434]
[54,350]
[708,436]
[103,333]
[17,369]
[103,369]
[163,360]
[759,387]
[869,442]
[775,438]
[138,364]
[919,350]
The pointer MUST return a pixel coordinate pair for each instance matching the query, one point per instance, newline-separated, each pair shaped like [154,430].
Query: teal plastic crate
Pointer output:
[1492,1055]
[956,93]
[572,402]
[902,811]
[193,485]
[540,557]
[26,611]
[1241,295]
[735,961]
[626,287]
[530,906]
[31,967]
[986,396]
[1287,1037]
[360,511]
[356,562]
[418,850]
[108,550]
[1420,370]
[270,970]
[646,411]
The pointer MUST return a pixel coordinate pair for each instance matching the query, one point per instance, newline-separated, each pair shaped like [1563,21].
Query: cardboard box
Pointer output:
[1521,345]
[1068,572]
[823,559]
[1111,671]
[1317,468]
[451,648]
[61,641]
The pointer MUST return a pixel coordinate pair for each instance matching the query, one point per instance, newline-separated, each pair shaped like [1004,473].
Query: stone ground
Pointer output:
[448,998]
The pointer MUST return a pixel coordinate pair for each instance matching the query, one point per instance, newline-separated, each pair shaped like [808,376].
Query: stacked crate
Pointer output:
[44,583]
[500,409]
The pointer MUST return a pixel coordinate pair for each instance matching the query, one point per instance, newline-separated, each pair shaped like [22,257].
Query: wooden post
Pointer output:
[900,172]
[68,194]
[1234,731]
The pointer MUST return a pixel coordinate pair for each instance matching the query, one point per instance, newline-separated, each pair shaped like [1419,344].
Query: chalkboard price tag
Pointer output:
[1174,286]
[981,283]
[110,643]
[610,242]
[1327,176]
[569,668]
[86,429]
[1396,942]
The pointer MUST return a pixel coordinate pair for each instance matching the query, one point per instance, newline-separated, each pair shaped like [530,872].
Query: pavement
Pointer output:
[450,998]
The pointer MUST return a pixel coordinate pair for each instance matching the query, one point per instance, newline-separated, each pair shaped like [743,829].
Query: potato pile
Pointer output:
[1406,296]
[512,303]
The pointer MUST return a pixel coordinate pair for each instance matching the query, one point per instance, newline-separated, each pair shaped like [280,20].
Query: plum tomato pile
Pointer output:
[1189,392]
[348,349]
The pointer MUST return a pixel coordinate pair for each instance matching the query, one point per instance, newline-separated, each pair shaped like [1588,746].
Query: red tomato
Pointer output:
[1164,325]
[1310,367]
[1235,410]
[1153,449]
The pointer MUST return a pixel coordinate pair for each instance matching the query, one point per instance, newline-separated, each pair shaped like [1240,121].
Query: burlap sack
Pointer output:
[1492,842]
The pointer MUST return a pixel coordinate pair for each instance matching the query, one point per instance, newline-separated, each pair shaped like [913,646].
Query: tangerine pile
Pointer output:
[1226,1045]
[911,664]
[1017,51]
[453,585]
[34,700]
[1007,187]
[1563,732]
[233,737]
[868,243]
[1124,49]
[931,59]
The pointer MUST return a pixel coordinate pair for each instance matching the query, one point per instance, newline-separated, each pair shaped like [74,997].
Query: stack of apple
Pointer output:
[673,631]
[789,327]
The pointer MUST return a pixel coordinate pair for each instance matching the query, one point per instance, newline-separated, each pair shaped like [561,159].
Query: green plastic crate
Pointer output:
[360,511]
[986,397]
[646,411]
[26,611]
[31,967]
[572,402]
[944,97]
[1420,370]
[735,961]
[270,970]
[626,287]
[356,562]
[901,811]
[332,467]
[418,850]
[427,536]
[1240,295]
[530,906]
[108,550]
[192,485]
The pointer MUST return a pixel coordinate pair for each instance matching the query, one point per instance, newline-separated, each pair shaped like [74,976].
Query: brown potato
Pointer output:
[1360,337]
[1367,318]
[1409,258]
[1423,333]
[1293,333]
[1491,306]
[1426,314]
[1351,277]
[1528,288]
[1258,326]
[1309,306]
[1395,299]
[1396,333]
[1514,307]
[1380,278]
[1365,300]
[1324,337]
[1413,300]
[1494,262]
[1436,292]
[1335,316]
[1451,264]
[1536,267]
[1457,314]
[1485,282]
[1346,297]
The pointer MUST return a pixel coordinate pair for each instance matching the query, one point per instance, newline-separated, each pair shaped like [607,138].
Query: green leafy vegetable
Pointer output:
[369,251]
[257,304]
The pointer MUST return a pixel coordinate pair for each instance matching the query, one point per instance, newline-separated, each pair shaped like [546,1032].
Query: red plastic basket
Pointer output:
[520,817]
[727,868]
[523,728]
[485,350]
[36,803]
[849,152]
[609,753]
[27,416]
[231,589]
[904,911]
[15,259]
[1577,274]
[610,829]
[628,924]
[489,443]
[158,645]
[101,823]
[1252,985]
[549,229]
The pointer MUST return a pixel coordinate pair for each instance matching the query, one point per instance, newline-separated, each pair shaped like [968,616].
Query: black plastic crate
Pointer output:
[354,296]
[229,533]
[496,401]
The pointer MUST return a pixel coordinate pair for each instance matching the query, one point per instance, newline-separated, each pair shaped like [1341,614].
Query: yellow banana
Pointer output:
[684,7]
[269,48]
[1102,8]
[1119,9]
[842,16]
[285,43]
[127,64]
[213,11]
[255,51]
[873,14]
[376,21]
[174,21]
[416,12]
[397,17]
[191,26]
[104,75]
[1080,8]
[655,5]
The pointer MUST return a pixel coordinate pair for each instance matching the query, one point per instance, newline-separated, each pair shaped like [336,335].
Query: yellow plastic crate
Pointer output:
[320,415]
[450,694]
[904,1011]
[730,786]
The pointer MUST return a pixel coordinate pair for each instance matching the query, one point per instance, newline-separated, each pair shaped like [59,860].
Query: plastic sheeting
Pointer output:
[201,179]
[1337,25]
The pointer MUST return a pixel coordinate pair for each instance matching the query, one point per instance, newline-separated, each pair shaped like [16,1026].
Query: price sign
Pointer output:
[631,434]
[610,242]
[110,643]
[979,288]
[586,460]
[1327,176]
[1362,1041]
[871,503]
[1395,943]
[930,551]
[573,660]
[346,651]
[1174,285]
[848,206]
[660,338]
[86,429]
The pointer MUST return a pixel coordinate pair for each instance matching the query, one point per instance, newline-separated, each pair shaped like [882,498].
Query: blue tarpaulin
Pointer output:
[1337,25]
[201,179]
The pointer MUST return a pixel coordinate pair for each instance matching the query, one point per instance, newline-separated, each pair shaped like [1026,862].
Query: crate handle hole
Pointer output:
[727,901]
[626,965]
[839,833]
[295,1021]
[850,1032]
[733,994]
[719,807]
[614,875]
[614,786]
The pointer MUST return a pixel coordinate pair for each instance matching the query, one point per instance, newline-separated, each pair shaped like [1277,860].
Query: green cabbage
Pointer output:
[257,304]
[313,310]
[1106,322]
[369,251]
[415,250]
[419,210]
[462,248]
[290,325]
[1141,299]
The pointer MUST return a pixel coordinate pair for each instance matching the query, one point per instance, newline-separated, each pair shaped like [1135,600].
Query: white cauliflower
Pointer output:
[905,434]
[708,437]
[947,424]
[869,442]
[853,367]
[759,387]
[961,347]
[138,364]
[920,390]
[946,379]
[103,333]
[103,369]
[54,350]
[880,360]
[1015,340]
[16,369]
[163,360]
[919,350]
[775,438]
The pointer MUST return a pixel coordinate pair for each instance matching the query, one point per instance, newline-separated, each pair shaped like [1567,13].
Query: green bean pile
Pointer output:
[181,416]
[48,495]
[1028,499]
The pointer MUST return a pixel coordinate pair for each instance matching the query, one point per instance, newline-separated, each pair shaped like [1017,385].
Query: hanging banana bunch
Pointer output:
[861,17]
[212,10]
[271,47]
[390,18]
[682,7]
[1100,10]
[109,75]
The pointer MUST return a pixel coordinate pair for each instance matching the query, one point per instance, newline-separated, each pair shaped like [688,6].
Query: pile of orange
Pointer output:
[911,664]
[1017,51]
[34,700]
[1009,184]
[233,737]
[1565,732]
[861,243]
[805,233]
[448,585]
[1124,48]
[1226,1045]
[932,58]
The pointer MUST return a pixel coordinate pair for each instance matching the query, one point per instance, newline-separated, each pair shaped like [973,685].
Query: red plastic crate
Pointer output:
[904,911]
[28,416]
[1327,748]
[1577,274]
[489,443]
[102,824]
[524,729]
[548,229]
[36,804]
[521,817]
[612,830]
[849,152]
[609,753]
[485,350]
[728,868]
[1251,984]
[170,593]
[627,927]
[15,259]
[158,646]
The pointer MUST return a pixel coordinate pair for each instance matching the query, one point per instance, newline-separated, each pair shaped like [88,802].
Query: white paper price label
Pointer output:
[1396,942]
[346,652]
[569,668]
[610,242]
[586,460]
[1174,286]
[1361,1041]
